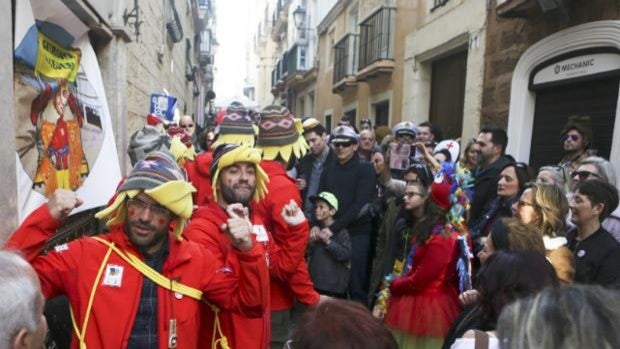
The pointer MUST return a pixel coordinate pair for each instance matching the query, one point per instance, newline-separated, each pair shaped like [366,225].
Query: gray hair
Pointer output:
[603,167]
[563,317]
[19,296]
[559,177]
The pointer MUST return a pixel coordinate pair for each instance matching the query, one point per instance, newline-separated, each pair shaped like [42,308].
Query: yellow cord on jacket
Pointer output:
[81,335]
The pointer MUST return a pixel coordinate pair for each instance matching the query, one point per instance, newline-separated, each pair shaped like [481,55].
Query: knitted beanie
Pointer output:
[227,155]
[279,133]
[158,176]
[144,141]
[235,128]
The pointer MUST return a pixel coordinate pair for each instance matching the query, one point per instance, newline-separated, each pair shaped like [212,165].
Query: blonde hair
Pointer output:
[552,206]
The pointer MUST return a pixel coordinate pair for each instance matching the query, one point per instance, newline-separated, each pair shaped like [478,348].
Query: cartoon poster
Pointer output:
[63,127]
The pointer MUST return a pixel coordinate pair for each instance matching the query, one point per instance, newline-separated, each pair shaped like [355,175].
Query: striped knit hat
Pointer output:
[235,128]
[144,141]
[158,176]
[279,133]
[229,154]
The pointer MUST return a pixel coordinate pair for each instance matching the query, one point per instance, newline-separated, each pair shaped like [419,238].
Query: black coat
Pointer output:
[485,186]
[597,258]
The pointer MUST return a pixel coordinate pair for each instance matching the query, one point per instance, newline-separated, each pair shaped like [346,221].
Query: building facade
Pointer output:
[545,61]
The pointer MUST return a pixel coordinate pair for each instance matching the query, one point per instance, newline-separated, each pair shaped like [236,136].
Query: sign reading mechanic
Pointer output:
[577,67]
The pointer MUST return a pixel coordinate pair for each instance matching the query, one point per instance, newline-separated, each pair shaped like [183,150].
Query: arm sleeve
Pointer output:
[302,286]
[438,255]
[609,272]
[396,186]
[31,235]
[340,247]
[246,293]
[363,195]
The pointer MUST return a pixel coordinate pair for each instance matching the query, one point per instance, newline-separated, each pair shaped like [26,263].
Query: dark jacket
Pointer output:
[485,186]
[329,264]
[597,258]
[497,209]
[353,183]
[304,170]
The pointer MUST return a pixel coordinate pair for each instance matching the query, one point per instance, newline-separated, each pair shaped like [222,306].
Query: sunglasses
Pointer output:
[573,137]
[521,165]
[583,175]
[342,145]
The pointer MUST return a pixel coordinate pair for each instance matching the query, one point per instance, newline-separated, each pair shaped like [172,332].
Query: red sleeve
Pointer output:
[246,293]
[433,262]
[31,235]
[55,269]
[302,287]
[292,240]
[282,261]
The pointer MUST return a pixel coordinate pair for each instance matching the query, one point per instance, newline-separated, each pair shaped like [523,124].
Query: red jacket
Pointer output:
[204,228]
[71,269]
[198,173]
[295,281]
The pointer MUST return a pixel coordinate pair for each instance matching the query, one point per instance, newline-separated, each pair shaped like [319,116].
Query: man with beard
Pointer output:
[237,179]
[311,165]
[576,140]
[142,284]
[491,147]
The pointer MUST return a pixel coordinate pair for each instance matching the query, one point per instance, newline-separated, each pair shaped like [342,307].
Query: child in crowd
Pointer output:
[329,256]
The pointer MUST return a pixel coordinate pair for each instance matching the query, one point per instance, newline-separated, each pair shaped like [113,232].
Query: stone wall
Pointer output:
[508,38]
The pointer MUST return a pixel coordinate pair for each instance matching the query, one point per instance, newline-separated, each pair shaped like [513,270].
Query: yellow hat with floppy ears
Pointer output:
[158,175]
[229,154]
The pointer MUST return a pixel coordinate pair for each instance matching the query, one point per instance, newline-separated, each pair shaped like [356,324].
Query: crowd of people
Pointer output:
[271,231]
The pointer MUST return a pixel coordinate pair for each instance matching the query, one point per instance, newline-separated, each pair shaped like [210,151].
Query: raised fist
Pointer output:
[61,203]
[238,226]
[292,214]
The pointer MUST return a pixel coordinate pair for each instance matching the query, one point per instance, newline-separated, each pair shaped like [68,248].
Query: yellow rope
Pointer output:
[82,334]
[166,283]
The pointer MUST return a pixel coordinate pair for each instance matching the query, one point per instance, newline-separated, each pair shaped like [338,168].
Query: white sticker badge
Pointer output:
[261,233]
[113,275]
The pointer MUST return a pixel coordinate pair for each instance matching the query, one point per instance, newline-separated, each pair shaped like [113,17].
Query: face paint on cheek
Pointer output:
[161,221]
[131,212]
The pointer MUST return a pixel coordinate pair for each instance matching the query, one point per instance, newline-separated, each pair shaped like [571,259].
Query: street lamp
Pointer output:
[299,15]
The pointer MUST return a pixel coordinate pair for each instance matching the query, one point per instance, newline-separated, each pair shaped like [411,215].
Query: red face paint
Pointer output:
[161,221]
[131,211]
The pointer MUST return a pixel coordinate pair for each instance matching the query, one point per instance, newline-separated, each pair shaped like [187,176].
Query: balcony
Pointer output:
[280,19]
[376,44]
[205,55]
[345,62]
[279,74]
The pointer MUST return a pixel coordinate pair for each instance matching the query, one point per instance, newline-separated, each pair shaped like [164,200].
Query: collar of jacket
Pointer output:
[176,254]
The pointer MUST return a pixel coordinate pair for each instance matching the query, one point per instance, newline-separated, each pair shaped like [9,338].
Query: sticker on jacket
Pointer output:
[260,232]
[113,275]
[60,248]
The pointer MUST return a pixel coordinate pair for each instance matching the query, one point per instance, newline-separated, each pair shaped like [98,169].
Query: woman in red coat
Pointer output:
[424,298]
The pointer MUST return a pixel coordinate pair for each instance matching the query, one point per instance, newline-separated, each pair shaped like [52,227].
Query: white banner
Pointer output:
[64,135]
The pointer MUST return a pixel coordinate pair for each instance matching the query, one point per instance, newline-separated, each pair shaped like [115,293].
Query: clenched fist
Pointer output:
[61,203]
[292,214]
[238,226]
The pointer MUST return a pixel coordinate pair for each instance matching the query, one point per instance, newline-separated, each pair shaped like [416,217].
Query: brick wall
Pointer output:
[508,38]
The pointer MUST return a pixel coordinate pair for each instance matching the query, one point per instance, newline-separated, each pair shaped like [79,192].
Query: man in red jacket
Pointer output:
[238,179]
[141,286]
[280,138]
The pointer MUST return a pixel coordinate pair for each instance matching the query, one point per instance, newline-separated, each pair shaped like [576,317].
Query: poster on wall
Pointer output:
[64,137]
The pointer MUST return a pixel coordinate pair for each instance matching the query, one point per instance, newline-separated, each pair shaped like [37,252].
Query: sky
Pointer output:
[234,28]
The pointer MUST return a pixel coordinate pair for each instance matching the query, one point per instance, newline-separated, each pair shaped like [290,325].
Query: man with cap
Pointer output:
[404,136]
[238,179]
[142,284]
[279,136]
[352,181]
[236,127]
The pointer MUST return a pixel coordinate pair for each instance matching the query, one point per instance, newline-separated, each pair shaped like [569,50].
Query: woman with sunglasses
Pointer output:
[545,207]
[512,179]
[595,167]
[597,253]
